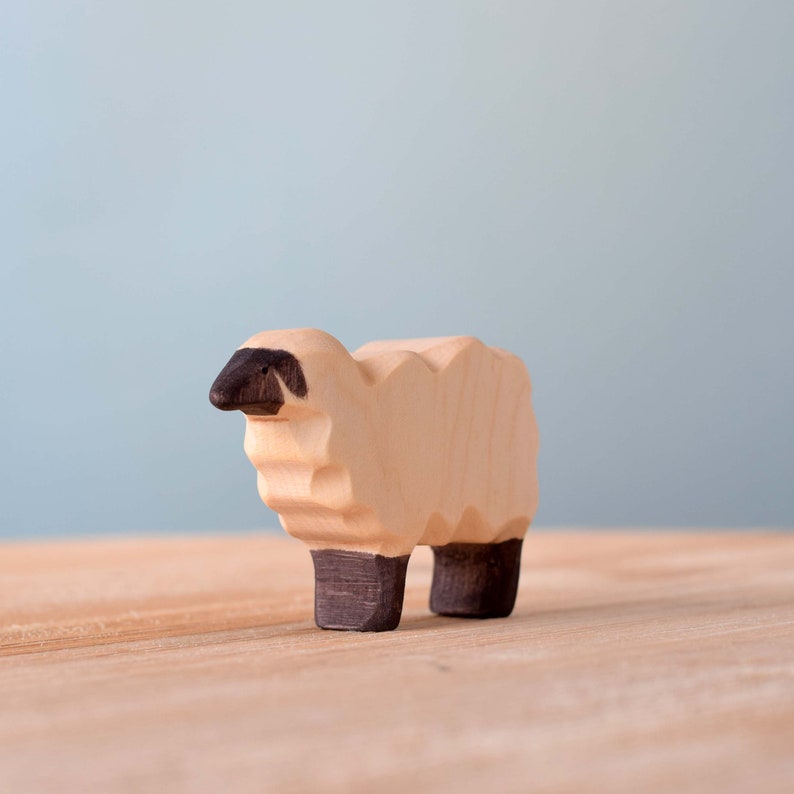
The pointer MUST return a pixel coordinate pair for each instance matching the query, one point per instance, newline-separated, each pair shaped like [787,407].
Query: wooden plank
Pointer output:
[633,662]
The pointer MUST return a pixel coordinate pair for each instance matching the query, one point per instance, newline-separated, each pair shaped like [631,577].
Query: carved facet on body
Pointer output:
[424,441]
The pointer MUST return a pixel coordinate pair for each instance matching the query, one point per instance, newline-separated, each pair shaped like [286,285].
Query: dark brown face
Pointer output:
[250,381]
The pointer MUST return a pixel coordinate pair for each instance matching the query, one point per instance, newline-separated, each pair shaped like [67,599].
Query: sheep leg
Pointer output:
[475,580]
[355,591]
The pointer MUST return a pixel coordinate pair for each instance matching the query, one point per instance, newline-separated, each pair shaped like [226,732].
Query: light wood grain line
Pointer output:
[633,662]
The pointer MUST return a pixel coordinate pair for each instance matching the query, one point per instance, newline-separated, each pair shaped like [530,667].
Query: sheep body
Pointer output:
[402,443]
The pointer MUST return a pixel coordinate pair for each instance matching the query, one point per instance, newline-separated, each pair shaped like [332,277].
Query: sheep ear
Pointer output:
[291,373]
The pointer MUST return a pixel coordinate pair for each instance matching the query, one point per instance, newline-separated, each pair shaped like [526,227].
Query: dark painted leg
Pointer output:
[476,580]
[354,591]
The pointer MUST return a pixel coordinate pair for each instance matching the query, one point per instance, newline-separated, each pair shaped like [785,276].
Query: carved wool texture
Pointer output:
[425,441]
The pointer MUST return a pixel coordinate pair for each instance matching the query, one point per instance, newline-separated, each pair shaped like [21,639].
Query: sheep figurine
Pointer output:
[403,443]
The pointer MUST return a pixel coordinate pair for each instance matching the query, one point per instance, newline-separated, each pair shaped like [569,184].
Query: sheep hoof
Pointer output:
[475,580]
[355,591]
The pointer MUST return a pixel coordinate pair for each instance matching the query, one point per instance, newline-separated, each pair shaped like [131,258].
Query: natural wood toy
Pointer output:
[403,443]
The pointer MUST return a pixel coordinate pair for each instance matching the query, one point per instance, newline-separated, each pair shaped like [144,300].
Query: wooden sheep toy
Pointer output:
[403,443]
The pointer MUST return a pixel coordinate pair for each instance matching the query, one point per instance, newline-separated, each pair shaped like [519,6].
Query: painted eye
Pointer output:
[265,369]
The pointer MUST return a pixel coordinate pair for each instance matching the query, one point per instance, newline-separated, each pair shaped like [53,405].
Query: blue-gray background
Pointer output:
[604,188]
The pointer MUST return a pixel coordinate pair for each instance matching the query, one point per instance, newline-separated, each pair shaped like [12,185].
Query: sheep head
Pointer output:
[271,374]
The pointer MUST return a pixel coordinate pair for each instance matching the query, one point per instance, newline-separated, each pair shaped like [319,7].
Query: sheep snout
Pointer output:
[251,381]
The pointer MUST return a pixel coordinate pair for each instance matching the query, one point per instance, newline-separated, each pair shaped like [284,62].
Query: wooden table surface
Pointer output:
[634,662]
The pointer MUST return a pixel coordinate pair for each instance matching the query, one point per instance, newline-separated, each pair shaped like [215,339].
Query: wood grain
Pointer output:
[402,442]
[354,591]
[632,662]
[475,580]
